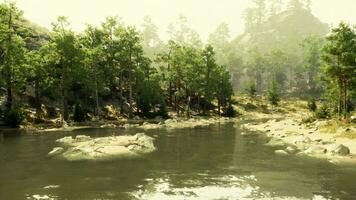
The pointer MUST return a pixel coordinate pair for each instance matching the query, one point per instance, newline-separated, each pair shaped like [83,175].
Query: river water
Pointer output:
[216,162]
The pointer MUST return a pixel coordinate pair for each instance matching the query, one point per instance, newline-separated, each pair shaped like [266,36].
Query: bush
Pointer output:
[308,120]
[251,89]
[162,110]
[230,112]
[79,113]
[323,112]
[14,116]
[311,104]
[273,94]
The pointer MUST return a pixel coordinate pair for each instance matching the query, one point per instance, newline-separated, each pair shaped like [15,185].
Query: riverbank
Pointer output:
[136,123]
[327,139]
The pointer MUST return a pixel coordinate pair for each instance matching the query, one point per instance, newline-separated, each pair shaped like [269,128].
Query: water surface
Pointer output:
[205,163]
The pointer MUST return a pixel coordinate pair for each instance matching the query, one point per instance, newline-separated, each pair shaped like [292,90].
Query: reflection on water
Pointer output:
[205,163]
[225,187]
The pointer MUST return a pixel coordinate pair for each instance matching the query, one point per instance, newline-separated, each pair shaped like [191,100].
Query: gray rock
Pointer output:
[281,152]
[315,150]
[290,149]
[82,138]
[104,148]
[275,142]
[353,118]
[108,126]
[136,118]
[302,140]
[56,151]
[341,150]
[66,140]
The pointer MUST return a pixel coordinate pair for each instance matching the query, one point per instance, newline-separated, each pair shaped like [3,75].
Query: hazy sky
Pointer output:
[203,15]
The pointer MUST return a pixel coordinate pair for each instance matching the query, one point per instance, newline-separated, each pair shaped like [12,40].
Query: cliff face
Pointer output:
[284,31]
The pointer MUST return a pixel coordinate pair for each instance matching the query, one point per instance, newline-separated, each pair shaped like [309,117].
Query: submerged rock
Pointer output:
[104,148]
[56,151]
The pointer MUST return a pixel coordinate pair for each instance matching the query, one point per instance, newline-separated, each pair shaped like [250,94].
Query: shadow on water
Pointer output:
[204,163]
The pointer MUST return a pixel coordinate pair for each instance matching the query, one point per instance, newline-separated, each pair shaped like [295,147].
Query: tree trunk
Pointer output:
[9,95]
[130,84]
[188,106]
[96,91]
[96,99]
[37,98]
[64,109]
[120,93]
[219,106]
[339,100]
[345,99]
[170,81]
[9,98]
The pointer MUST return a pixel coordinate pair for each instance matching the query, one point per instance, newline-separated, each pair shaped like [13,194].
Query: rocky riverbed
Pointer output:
[291,137]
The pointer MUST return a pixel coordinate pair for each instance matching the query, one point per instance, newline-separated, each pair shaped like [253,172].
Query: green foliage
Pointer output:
[79,113]
[312,104]
[308,120]
[149,95]
[323,112]
[273,93]
[340,57]
[251,89]
[113,62]
[14,116]
[230,112]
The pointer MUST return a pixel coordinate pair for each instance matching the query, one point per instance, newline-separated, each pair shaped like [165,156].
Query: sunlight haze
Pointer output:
[203,15]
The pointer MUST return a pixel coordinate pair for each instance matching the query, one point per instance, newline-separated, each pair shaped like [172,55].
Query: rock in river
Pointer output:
[281,152]
[104,148]
[341,150]
[275,142]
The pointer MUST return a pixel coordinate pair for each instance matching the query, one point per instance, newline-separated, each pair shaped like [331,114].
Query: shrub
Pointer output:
[323,112]
[79,113]
[162,110]
[308,120]
[311,104]
[273,94]
[230,112]
[251,89]
[14,116]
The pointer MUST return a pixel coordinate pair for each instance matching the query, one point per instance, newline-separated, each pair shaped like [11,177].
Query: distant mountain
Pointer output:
[285,31]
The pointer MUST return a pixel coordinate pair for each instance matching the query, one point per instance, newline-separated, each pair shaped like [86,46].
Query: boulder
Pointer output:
[56,151]
[315,150]
[108,126]
[341,150]
[302,140]
[275,142]
[290,149]
[281,152]
[353,119]
[104,148]
[137,118]
[149,126]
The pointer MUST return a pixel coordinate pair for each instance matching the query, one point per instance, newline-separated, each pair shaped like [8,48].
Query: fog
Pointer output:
[202,15]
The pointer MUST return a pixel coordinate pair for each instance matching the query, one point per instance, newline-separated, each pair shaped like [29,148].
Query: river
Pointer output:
[216,162]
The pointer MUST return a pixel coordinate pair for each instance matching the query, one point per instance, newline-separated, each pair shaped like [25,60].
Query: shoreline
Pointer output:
[144,124]
[291,137]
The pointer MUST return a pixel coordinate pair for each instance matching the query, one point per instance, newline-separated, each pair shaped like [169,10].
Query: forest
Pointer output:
[284,52]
